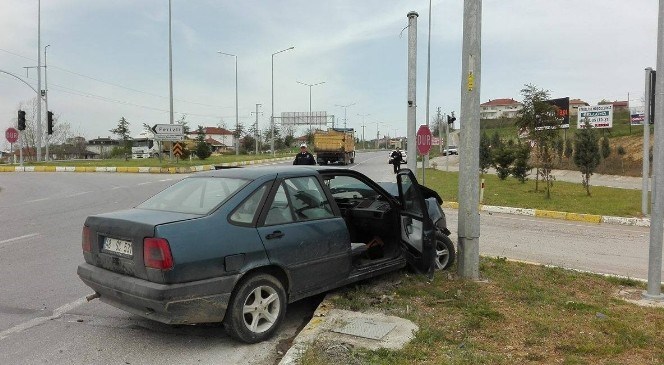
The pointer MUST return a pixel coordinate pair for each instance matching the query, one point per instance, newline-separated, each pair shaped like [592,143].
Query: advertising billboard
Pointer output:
[599,116]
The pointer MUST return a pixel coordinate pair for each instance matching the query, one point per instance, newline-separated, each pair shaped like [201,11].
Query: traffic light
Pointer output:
[49,124]
[451,119]
[21,120]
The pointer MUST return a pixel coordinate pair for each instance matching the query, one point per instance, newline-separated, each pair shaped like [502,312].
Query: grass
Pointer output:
[154,162]
[521,314]
[565,196]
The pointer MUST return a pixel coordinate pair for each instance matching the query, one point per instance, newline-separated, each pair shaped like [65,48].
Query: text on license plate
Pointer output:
[118,246]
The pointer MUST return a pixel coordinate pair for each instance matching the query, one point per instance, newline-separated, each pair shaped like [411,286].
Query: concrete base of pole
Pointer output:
[656,298]
[468,258]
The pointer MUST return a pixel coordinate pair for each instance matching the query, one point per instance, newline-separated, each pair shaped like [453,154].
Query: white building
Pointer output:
[500,108]
[220,139]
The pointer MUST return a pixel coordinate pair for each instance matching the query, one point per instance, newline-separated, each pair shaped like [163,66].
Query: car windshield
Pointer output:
[197,195]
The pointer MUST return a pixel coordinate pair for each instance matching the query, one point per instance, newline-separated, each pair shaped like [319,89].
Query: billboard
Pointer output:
[562,112]
[637,115]
[599,116]
[304,118]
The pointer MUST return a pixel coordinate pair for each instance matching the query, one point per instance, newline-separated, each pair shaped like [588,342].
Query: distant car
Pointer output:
[237,246]
[453,150]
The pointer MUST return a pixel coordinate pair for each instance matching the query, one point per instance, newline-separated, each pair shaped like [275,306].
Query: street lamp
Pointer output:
[310,86]
[345,109]
[237,123]
[364,144]
[272,115]
[170,75]
[46,158]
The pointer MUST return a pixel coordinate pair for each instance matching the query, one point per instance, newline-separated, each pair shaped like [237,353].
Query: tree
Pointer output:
[621,152]
[568,149]
[122,131]
[202,148]
[559,146]
[605,148]
[538,119]
[485,153]
[521,157]
[503,157]
[586,153]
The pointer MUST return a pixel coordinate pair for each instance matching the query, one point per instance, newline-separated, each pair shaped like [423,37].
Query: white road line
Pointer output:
[77,194]
[2,243]
[37,200]
[145,183]
[40,320]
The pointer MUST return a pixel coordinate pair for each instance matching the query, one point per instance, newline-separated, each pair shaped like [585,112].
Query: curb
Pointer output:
[146,170]
[578,217]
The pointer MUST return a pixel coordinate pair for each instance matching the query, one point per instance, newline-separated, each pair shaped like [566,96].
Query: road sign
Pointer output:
[177,150]
[177,129]
[169,137]
[599,116]
[424,140]
[11,134]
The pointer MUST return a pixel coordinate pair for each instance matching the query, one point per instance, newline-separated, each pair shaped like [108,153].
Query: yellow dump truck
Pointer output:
[335,145]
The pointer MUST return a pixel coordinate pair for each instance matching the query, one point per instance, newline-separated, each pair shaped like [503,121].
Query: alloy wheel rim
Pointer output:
[261,309]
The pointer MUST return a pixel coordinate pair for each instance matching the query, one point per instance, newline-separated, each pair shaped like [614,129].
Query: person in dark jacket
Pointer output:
[396,159]
[304,157]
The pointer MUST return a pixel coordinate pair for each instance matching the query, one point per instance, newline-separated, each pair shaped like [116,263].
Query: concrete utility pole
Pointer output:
[272,114]
[170,74]
[411,111]
[645,172]
[46,158]
[469,194]
[425,159]
[654,291]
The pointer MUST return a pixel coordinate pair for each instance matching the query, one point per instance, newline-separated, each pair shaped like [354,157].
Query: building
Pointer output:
[574,105]
[617,105]
[500,108]
[102,146]
[220,139]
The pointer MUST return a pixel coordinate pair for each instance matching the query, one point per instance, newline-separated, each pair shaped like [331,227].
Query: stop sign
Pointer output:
[423,140]
[11,134]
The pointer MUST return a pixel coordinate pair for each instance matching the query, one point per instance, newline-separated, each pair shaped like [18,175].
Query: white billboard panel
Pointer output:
[599,116]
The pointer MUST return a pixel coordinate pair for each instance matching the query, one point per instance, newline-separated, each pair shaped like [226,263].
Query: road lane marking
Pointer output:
[145,183]
[77,194]
[40,320]
[37,200]
[4,242]
[367,160]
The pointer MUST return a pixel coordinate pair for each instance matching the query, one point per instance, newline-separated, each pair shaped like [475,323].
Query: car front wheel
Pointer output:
[445,253]
[256,309]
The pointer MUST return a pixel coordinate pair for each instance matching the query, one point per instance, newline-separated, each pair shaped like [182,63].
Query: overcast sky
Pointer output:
[109,59]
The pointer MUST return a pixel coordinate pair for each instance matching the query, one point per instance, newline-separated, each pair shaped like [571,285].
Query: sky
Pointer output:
[109,59]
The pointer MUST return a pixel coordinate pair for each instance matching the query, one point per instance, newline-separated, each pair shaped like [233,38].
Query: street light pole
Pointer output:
[345,110]
[39,97]
[272,114]
[46,158]
[363,123]
[237,123]
[170,73]
[310,86]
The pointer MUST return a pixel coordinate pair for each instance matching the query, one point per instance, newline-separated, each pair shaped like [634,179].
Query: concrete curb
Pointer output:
[579,217]
[140,170]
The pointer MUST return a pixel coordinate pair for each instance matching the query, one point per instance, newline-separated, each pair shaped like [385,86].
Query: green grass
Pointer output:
[154,162]
[565,196]
[521,314]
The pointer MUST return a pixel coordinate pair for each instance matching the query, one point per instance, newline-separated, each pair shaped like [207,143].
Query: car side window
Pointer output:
[280,211]
[308,200]
[410,197]
[245,213]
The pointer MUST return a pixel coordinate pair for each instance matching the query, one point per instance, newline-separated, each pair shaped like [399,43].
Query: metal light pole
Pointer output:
[469,184]
[170,72]
[237,123]
[345,110]
[363,123]
[46,158]
[39,96]
[272,115]
[645,166]
[256,134]
[310,86]
[425,160]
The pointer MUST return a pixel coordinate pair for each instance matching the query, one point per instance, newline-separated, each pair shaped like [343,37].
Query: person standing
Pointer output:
[304,157]
[397,159]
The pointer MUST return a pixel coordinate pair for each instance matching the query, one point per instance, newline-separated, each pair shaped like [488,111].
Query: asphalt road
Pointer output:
[45,319]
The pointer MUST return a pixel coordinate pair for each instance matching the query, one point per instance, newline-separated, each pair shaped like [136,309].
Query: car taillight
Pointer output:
[86,240]
[157,254]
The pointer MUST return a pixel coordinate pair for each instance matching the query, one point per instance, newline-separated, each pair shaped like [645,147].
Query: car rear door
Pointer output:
[417,230]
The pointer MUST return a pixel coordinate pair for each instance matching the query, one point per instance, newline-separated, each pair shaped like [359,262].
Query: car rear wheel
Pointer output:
[256,309]
[445,253]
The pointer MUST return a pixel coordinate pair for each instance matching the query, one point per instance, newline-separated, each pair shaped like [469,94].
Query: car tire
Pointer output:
[256,309]
[445,253]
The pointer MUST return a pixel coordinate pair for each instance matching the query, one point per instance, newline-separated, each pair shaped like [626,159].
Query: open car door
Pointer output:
[417,230]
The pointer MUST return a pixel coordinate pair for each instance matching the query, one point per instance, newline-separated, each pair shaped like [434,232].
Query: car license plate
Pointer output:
[118,246]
